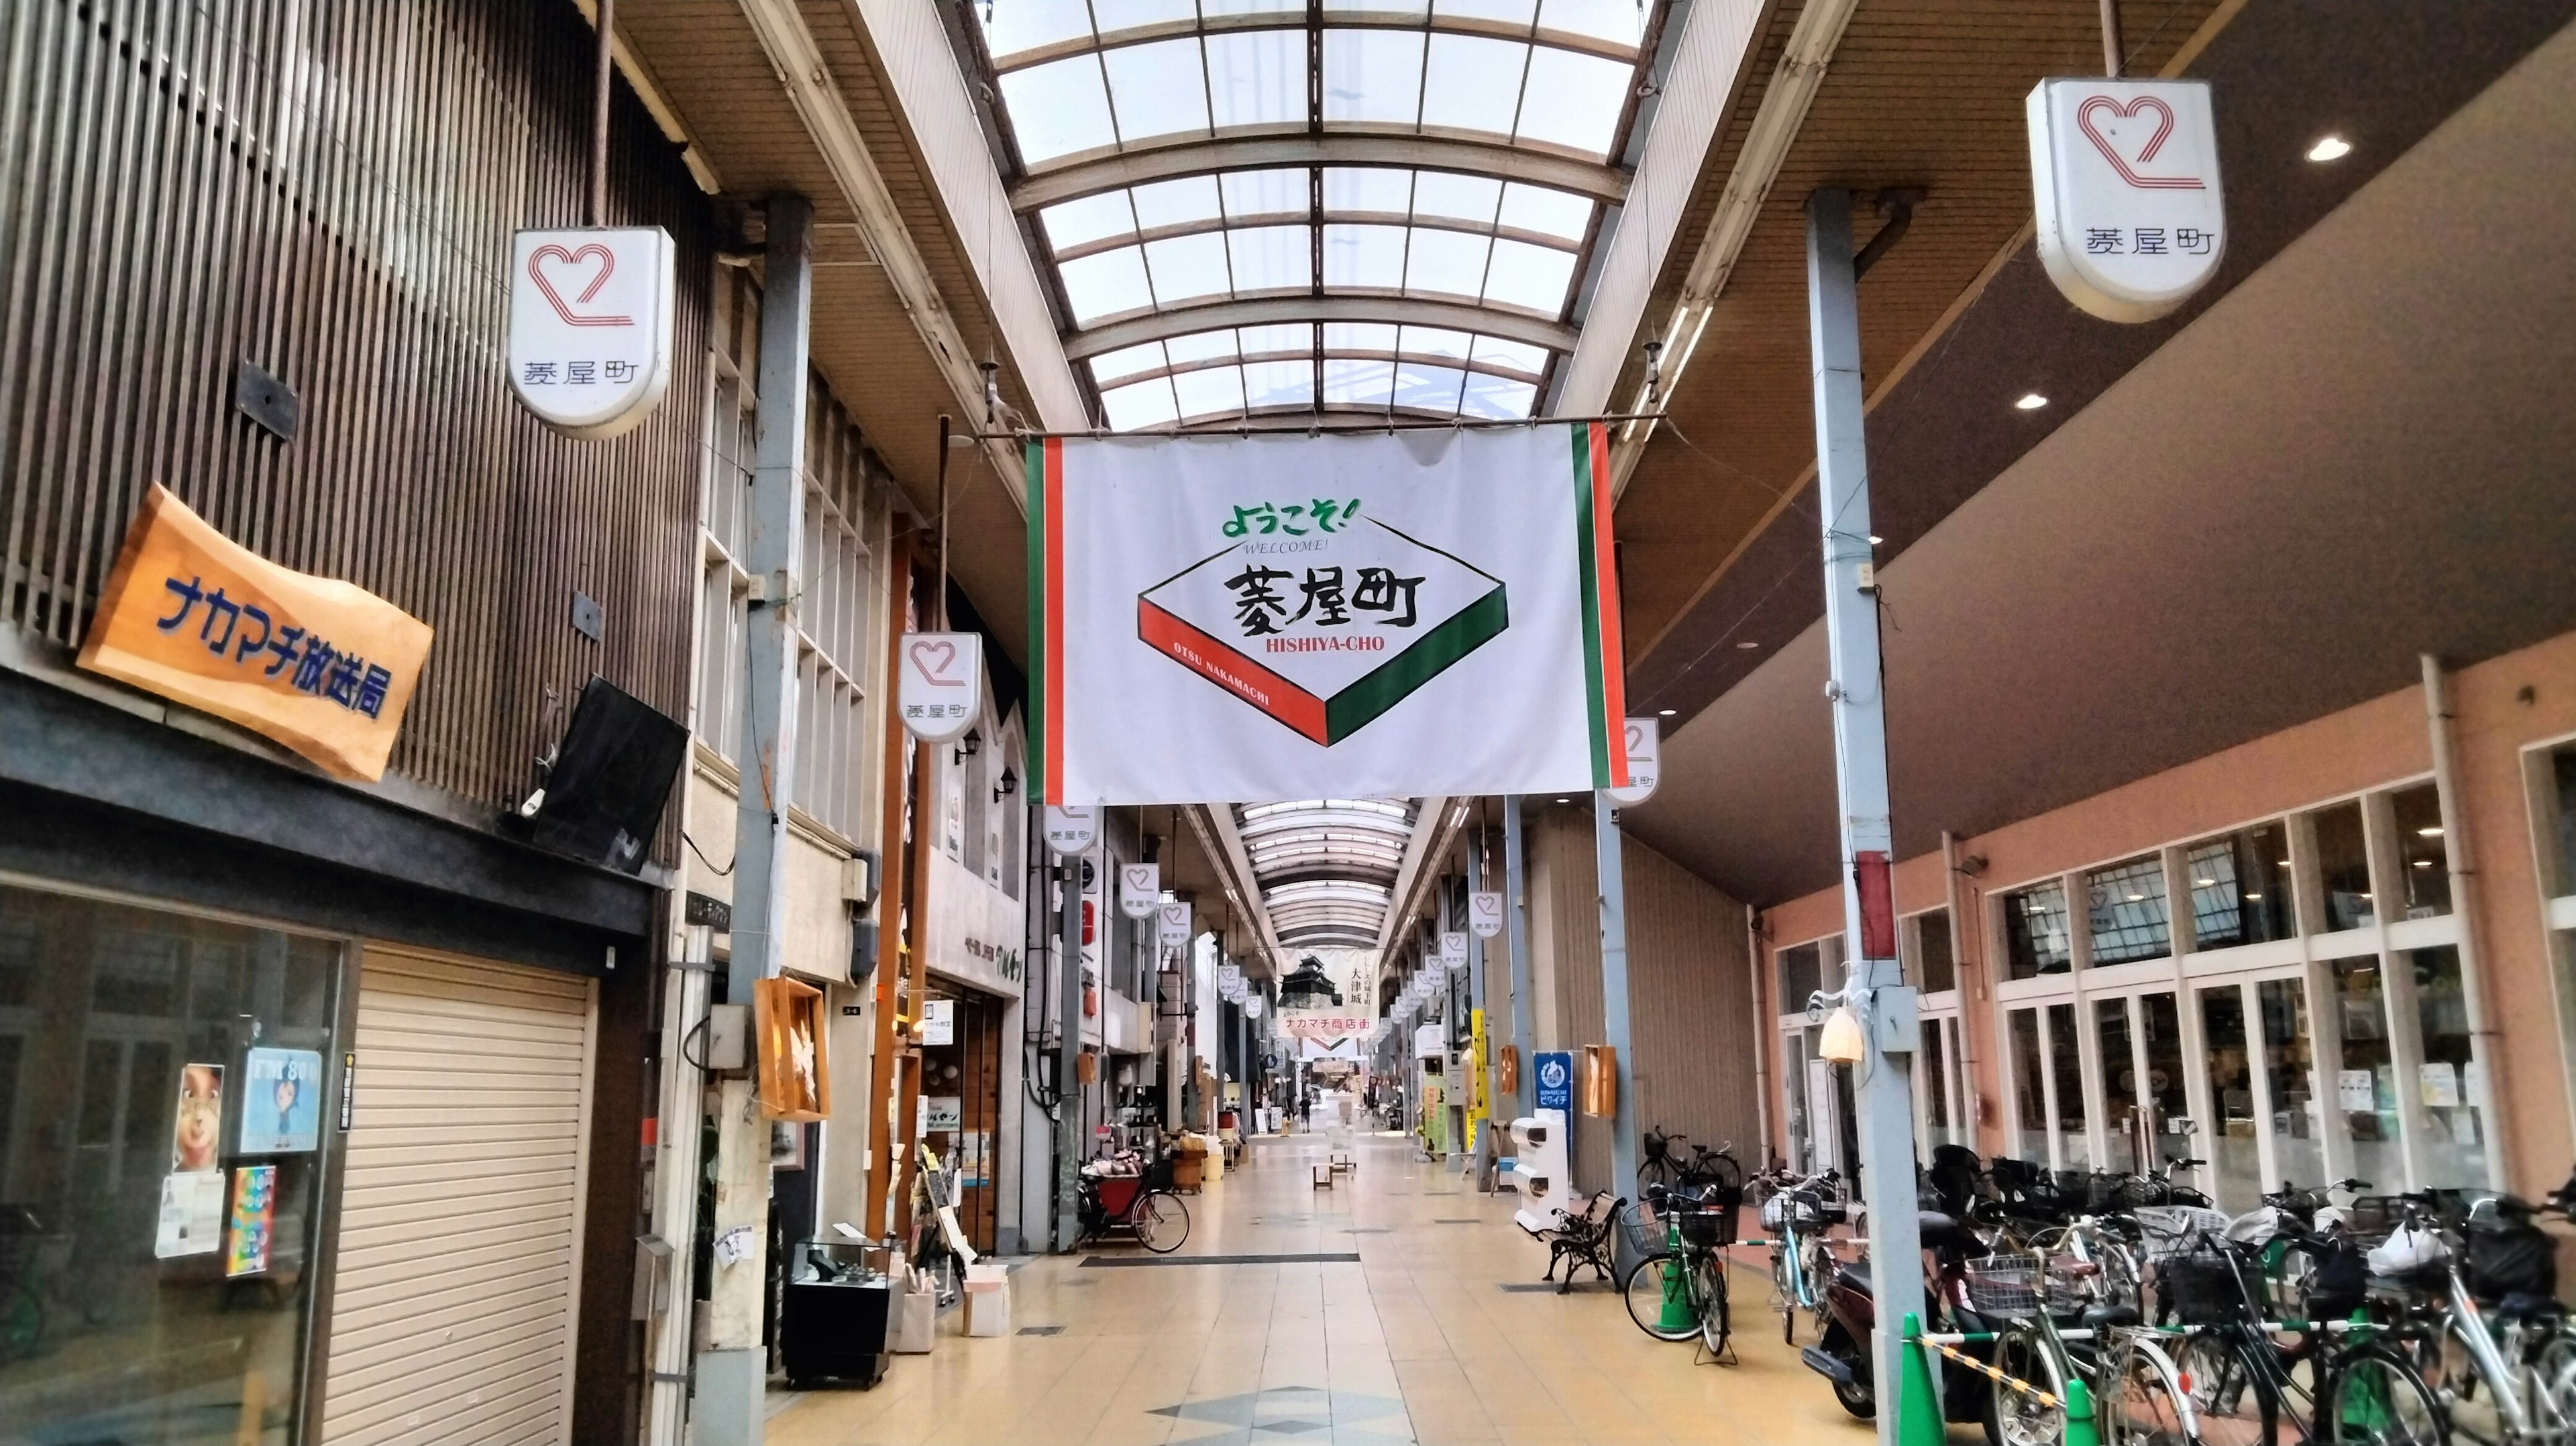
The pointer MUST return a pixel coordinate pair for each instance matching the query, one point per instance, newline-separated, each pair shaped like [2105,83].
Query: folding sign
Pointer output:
[1645,761]
[1070,831]
[938,690]
[1140,888]
[2124,176]
[590,326]
[1485,914]
[1309,617]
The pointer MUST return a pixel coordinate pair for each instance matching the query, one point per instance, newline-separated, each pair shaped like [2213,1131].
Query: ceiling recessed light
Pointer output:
[2204,883]
[2254,896]
[1665,712]
[1748,645]
[1875,539]
[2031,402]
[1565,800]
[2434,832]
[2423,863]
[2330,148]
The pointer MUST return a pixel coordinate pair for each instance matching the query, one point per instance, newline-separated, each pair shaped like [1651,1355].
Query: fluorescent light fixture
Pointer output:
[1748,645]
[2434,832]
[2254,896]
[2137,898]
[1665,712]
[1565,800]
[2330,148]
[1875,539]
[2423,863]
[2031,402]
[2204,883]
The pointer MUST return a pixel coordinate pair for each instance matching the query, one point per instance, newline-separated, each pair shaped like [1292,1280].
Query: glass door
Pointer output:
[2364,1110]
[2289,1067]
[2166,1083]
[2235,1148]
[2030,1090]
[2066,1098]
[2116,1063]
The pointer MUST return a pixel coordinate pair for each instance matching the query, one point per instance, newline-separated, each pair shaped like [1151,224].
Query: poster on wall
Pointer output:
[254,1209]
[197,1129]
[281,1102]
[938,1023]
[1313,615]
[192,1214]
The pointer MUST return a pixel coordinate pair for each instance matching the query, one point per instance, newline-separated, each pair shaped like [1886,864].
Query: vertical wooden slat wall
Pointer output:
[327,188]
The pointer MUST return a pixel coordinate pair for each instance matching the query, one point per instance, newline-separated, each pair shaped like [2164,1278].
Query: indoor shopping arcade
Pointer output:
[1018,721]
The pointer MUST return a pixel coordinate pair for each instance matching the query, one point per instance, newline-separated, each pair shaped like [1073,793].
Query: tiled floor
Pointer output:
[1416,1342]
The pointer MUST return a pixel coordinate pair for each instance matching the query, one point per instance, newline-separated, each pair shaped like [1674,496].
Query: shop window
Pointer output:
[1936,968]
[2365,1082]
[833,631]
[2343,867]
[2073,1145]
[2235,1149]
[2453,1079]
[2120,1118]
[127,1074]
[2240,888]
[2035,934]
[2125,910]
[2289,1064]
[2030,1100]
[1933,1079]
[1793,1091]
[1801,967]
[2167,1089]
[2424,863]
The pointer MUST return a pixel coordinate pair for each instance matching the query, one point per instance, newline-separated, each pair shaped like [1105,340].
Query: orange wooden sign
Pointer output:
[322,666]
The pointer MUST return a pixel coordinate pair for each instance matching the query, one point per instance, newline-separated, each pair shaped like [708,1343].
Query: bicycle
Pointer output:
[2138,1393]
[1661,1163]
[1142,1204]
[1690,1270]
[1799,1215]
[2500,1357]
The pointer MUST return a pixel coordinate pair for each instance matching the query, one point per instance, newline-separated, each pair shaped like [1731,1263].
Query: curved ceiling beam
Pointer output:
[1269,310]
[1497,158]
[1389,19]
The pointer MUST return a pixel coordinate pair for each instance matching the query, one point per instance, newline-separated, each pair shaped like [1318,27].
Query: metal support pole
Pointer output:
[1068,1054]
[1883,1099]
[595,203]
[730,1373]
[1480,1013]
[1515,885]
[1614,994]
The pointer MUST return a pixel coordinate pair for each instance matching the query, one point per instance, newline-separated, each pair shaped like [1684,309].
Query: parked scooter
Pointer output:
[1841,1353]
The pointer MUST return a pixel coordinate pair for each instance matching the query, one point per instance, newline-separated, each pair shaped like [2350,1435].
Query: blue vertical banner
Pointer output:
[1554,1073]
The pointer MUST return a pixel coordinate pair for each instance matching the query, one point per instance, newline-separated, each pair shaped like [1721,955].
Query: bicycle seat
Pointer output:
[2110,1314]
[2540,1309]
[1855,1276]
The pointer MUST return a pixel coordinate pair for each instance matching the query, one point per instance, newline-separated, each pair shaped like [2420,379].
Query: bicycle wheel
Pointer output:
[2553,1382]
[1709,1282]
[1657,1171]
[1161,1221]
[2017,1416]
[1817,1276]
[2376,1399]
[1784,1288]
[2143,1400]
[1645,1289]
[2231,1398]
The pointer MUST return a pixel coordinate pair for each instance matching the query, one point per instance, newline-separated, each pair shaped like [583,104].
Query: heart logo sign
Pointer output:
[2136,132]
[934,660]
[568,262]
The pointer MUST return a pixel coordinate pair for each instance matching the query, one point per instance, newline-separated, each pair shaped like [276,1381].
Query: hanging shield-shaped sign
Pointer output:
[1453,947]
[1072,829]
[1229,978]
[2124,178]
[1645,761]
[935,689]
[1140,888]
[590,326]
[1485,914]
[1172,924]
[1252,1005]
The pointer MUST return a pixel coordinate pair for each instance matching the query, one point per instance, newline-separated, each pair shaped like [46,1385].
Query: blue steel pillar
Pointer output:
[1614,996]
[1878,991]
[1515,885]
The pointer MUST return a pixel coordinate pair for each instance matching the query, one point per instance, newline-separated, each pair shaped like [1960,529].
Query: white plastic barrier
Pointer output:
[1539,1169]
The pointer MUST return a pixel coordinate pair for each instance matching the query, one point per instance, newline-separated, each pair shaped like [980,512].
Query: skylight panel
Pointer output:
[1185,202]
[1252,7]
[1257,78]
[1472,83]
[1449,263]
[1146,404]
[1519,356]
[1368,190]
[1358,336]
[1272,258]
[1434,341]
[1499,397]
[1127,362]
[1573,100]
[1157,90]
[1216,391]
[1373,76]
[1188,268]
[1366,257]
[1059,108]
[1351,383]
[1108,284]
[1092,218]
[1294,336]
[1551,213]
[1122,16]
[1250,194]
[1427,388]
[1200,346]
[1278,384]
[1028,24]
[1510,12]
[1622,21]
[1534,277]
[1415,8]
[1453,197]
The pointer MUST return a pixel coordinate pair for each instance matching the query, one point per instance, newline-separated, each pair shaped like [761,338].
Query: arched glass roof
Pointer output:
[1326,867]
[1259,208]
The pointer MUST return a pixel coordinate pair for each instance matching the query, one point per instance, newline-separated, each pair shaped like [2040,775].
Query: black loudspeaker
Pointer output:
[611,779]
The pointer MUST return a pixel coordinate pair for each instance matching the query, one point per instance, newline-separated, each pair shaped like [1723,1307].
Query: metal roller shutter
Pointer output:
[459,1243]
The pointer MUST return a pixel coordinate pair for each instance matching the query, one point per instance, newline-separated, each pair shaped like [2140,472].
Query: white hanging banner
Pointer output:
[1645,761]
[1485,914]
[2124,175]
[1172,926]
[1140,888]
[1308,617]
[590,326]
[1071,830]
[936,689]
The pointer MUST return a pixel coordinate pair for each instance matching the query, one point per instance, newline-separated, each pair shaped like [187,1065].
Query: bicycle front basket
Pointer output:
[1710,1228]
[2005,1287]
[2202,1289]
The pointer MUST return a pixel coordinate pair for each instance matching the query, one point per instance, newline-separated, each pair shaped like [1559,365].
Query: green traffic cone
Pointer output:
[1918,1407]
[2080,1427]
[1677,1314]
